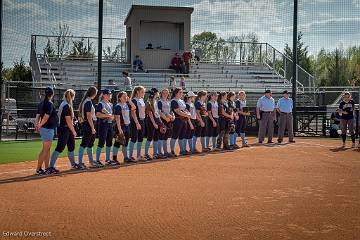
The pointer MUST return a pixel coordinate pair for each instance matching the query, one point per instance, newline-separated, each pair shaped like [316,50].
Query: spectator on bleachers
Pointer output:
[111,85]
[176,63]
[149,46]
[182,83]
[172,83]
[138,64]
[127,81]
[198,53]
[187,56]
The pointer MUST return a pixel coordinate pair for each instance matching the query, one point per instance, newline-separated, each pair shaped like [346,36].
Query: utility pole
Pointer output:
[100,38]
[295,60]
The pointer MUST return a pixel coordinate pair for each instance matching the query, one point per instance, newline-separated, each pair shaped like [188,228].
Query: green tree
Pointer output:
[82,49]
[49,50]
[208,43]
[19,72]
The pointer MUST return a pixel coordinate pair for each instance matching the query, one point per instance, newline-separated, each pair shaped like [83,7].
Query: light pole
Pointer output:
[100,38]
[294,59]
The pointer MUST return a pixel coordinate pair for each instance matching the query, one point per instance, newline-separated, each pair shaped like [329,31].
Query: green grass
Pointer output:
[13,151]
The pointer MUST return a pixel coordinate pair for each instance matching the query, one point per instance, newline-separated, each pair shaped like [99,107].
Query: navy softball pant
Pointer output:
[190,132]
[199,130]
[106,134]
[212,131]
[179,129]
[126,131]
[241,125]
[65,138]
[88,138]
[168,134]
[137,135]
[152,134]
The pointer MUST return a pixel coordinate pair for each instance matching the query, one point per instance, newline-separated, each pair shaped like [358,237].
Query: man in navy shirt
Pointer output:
[346,110]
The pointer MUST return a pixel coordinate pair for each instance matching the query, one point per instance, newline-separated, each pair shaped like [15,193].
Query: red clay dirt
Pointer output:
[307,190]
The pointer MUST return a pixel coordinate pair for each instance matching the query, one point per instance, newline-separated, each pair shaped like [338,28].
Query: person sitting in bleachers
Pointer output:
[149,46]
[187,56]
[176,63]
[138,64]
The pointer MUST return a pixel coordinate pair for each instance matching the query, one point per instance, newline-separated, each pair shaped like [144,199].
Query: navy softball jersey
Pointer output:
[47,107]
[349,108]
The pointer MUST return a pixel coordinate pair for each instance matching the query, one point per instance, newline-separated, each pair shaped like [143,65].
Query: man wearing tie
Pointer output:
[265,113]
[285,107]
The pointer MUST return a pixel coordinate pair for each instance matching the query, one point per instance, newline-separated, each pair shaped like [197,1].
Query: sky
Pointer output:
[325,23]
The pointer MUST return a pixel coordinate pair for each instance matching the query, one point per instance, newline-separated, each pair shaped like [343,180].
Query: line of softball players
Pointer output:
[198,123]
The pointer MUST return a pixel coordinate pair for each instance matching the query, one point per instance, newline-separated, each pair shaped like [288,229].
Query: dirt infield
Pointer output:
[307,190]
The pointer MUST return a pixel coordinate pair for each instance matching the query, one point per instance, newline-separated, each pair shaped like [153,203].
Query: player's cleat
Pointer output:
[172,155]
[81,166]
[205,150]
[75,166]
[292,141]
[270,142]
[109,163]
[260,142]
[162,156]
[147,157]
[116,162]
[51,170]
[141,158]
[196,151]
[235,146]
[280,141]
[99,164]
[40,172]
[245,145]
[129,160]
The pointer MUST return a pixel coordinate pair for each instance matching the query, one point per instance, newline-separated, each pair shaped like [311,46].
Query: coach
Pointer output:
[285,107]
[265,113]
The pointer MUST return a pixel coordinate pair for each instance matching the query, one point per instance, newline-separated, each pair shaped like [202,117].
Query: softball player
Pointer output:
[122,117]
[178,107]
[105,117]
[152,124]
[213,120]
[191,123]
[137,129]
[201,120]
[46,120]
[232,127]
[346,110]
[224,118]
[65,131]
[167,118]
[87,118]
[241,122]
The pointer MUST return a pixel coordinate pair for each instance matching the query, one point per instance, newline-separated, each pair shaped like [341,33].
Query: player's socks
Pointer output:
[202,141]
[80,155]
[194,140]
[165,147]
[172,145]
[98,153]
[71,156]
[107,153]
[353,138]
[90,155]
[131,149]
[183,145]
[138,149]
[155,148]
[207,143]
[125,152]
[147,146]
[214,142]
[190,144]
[115,151]
[53,158]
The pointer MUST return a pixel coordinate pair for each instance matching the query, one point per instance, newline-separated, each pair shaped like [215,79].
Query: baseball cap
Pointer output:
[49,91]
[191,94]
[285,92]
[106,91]
[153,91]
[267,91]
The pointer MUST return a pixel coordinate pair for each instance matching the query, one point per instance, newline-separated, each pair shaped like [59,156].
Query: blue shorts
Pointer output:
[47,134]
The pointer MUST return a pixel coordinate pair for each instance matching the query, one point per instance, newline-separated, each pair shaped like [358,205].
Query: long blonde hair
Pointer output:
[69,96]
[136,90]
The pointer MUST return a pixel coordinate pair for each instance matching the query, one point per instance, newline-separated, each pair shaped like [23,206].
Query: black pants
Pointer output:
[199,130]
[126,131]
[137,135]
[179,129]
[241,125]
[88,138]
[211,130]
[152,134]
[65,138]
[106,134]
[168,134]
[190,132]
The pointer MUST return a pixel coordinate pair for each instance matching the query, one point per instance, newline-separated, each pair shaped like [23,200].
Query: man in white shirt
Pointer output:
[127,81]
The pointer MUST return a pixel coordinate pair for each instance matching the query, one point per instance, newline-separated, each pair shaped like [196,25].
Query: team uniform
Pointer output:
[232,125]
[179,126]
[199,130]
[152,133]
[164,107]
[65,136]
[241,122]
[190,133]
[347,121]
[135,134]
[47,131]
[88,137]
[105,131]
[212,132]
[223,138]
[122,110]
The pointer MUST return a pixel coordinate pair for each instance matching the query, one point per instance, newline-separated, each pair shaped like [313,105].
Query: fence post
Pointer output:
[261,53]
[273,62]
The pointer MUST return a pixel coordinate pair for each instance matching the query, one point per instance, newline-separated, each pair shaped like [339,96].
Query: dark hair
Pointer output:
[125,73]
[210,95]
[90,92]
[176,91]
[221,95]
[120,94]
[49,92]
[201,94]
[230,94]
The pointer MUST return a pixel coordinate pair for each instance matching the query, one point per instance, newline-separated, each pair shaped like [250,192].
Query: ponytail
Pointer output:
[89,93]
[69,97]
